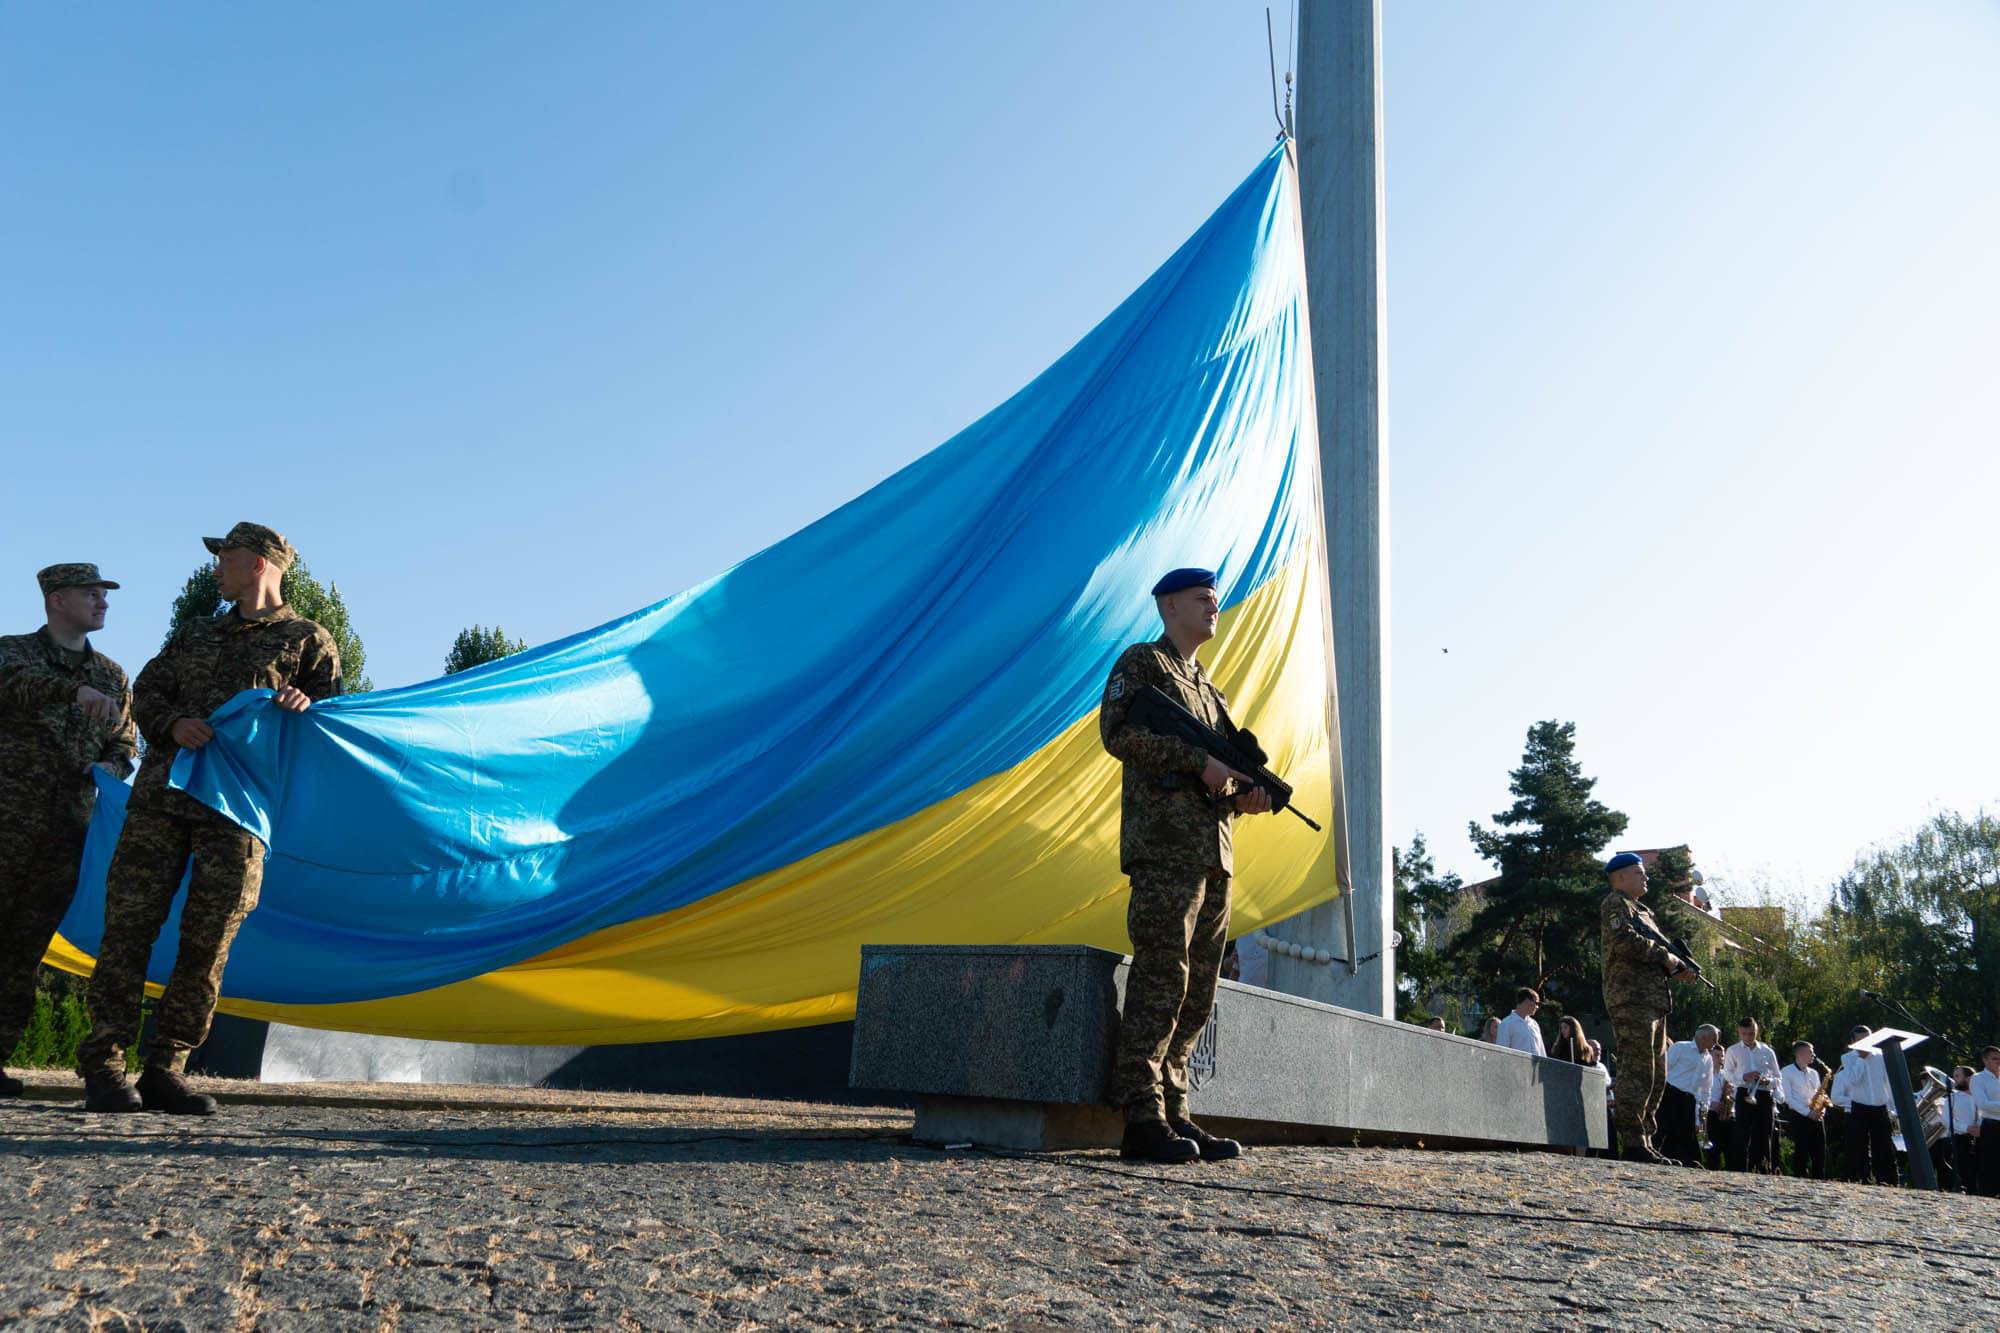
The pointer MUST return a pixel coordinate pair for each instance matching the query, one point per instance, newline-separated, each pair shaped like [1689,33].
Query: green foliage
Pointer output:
[1922,922]
[1918,920]
[1429,908]
[1538,925]
[305,594]
[57,1025]
[478,645]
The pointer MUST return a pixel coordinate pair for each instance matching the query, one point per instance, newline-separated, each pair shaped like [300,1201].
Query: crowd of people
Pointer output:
[1744,1107]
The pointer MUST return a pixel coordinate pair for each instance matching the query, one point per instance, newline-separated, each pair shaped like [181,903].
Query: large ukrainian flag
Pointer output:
[881,730]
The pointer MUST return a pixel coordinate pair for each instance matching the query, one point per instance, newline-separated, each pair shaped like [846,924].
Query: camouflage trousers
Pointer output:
[1639,1036]
[1179,923]
[38,861]
[153,852]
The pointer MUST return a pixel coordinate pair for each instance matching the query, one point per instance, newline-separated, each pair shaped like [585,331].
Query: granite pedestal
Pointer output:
[1012,1047]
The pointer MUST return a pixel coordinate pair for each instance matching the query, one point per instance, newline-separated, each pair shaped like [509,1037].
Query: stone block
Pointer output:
[1012,1046]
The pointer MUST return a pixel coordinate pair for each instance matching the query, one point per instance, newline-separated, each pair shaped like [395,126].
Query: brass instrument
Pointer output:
[1933,1106]
[1816,1108]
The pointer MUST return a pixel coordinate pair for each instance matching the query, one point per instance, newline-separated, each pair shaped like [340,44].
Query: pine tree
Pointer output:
[479,645]
[1426,903]
[1539,923]
[201,597]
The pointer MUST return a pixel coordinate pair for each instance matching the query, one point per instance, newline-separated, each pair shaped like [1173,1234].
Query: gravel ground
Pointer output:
[423,1208]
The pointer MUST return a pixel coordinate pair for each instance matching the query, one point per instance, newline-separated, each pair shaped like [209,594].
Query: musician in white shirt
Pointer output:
[1870,1149]
[1798,1084]
[1961,1123]
[1717,1123]
[1688,1073]
[1752,1070]
[1985,1089]
[1518,1030]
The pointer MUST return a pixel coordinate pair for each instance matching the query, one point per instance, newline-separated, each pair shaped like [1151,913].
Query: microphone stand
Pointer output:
[1921,1172]
[1897,1008]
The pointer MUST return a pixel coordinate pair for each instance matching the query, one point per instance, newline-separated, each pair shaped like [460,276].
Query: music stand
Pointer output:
[1892,1046]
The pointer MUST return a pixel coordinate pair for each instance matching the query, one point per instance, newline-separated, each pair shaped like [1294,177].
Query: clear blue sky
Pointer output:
[538,313]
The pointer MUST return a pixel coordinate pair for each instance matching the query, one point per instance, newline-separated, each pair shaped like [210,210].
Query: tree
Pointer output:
[305,594]
[478,645]
[1428,907]
[1538,925]
[1928,913]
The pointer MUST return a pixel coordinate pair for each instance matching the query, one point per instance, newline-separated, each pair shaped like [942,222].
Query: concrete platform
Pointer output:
[808,1063]
[1012,1046]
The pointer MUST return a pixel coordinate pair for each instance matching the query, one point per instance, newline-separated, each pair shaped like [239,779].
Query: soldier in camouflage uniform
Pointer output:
[1174,843]
[1637,967]
[259,643]
[64,708]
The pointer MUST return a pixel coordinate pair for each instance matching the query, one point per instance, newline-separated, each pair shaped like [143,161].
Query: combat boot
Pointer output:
[1213,1149]
[107,1090]
[1152,1141]
[11,1086]
[165,1090]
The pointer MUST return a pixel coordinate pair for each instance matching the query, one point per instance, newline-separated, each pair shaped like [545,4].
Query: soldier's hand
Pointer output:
[1256,801]
[293,699]
[96,703]
[191,733]
[1677,970]
[1218,774]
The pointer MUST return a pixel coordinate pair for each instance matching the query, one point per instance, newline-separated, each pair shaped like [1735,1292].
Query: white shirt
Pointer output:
[1839,1089]
[1717,1085]
[1740,1060]
[1687,1068]
[1253,962]
[1521,1034]
[1959,1113]
[1867,1080]
[1798,1086]
[1986,1096]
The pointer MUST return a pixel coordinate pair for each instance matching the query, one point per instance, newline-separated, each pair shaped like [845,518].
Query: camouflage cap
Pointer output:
[71,576]
[255,537]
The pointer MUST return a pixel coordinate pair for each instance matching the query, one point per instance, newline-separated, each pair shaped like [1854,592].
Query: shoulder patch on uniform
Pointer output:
[1116,689]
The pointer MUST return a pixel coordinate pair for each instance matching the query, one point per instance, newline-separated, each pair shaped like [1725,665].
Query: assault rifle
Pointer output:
[1153,710]
[1678,947]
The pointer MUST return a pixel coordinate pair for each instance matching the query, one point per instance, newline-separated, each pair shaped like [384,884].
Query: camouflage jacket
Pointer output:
[1172,826]
[47,743]
[209,662]
[1634,966]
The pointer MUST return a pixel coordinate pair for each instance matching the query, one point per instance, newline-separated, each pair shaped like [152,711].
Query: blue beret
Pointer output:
[1182,579]
[1623,859]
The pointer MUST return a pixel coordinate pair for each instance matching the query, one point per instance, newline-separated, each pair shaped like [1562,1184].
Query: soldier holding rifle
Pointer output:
[1174,843]
[1638,963]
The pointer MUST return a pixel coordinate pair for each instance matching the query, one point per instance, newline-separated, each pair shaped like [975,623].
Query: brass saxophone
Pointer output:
[1816,1108]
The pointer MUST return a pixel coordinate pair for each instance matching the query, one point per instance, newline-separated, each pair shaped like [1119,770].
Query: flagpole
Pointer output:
[1339,146]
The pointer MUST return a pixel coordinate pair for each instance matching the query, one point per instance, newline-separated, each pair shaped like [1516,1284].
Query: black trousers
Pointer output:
[1723,1141]
[1871,1153]
[1675,1135]
[1753,1122]
[1955,1164]
[1989,1158]
[1836,1144]
[1808,1138]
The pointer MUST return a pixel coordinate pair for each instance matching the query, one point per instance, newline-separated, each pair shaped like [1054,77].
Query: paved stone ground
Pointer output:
[422,1208]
